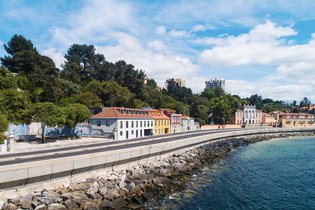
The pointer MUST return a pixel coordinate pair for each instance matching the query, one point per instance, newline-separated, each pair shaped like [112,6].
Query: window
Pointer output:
[127,124]
[137,124]
[98,123]
[148,123]
[132,132]
[140,123]
[144,124]
[151,123]
[121,124]
[107,123]
[155,123]
[121,133]
[132,124]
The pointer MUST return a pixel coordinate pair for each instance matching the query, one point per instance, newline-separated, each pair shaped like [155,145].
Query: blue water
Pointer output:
[276,174]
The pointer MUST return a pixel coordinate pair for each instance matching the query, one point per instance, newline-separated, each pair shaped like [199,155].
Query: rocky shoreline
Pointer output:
[133,187]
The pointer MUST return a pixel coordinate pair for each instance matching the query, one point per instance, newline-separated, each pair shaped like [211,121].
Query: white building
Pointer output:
[188,124]
[122,123]
[247,115]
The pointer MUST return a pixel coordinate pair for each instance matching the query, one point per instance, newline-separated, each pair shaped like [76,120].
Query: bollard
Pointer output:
[11,141]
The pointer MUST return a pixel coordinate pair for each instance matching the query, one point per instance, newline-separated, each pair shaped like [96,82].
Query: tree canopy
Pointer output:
[32,88]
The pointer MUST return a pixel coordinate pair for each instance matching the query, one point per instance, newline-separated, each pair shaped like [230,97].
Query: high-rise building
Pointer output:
[179,81]
[215,83]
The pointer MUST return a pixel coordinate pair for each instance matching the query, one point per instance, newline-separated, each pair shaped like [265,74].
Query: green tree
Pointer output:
[74,114]
[22,55]
[48,114]
[7,80]
[256,100]
[88,99]
[81,63]
[4,123]
[111,93]
[221,109]
[14,103]
[177,92]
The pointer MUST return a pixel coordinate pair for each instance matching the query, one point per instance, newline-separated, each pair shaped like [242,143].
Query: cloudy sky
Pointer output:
[263,46]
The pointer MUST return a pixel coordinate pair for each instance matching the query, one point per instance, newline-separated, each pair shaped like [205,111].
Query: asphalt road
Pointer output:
[99,147]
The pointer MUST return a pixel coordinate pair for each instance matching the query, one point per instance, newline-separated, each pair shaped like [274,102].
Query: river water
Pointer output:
[275,174]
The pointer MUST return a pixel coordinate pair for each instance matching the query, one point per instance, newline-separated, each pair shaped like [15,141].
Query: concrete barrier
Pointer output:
[46,170]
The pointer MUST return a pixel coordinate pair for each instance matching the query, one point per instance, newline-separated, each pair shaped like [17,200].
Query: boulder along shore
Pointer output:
[133,187]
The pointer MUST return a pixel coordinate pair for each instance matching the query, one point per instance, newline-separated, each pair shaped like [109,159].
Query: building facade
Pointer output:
[247,115]
[215,83]
[122,123]
[176,120]
[180,82]
[268,119]
[188,123]
[162,124]
[296,119]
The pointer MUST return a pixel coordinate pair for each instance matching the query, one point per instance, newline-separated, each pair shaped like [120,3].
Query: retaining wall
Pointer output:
[46,170]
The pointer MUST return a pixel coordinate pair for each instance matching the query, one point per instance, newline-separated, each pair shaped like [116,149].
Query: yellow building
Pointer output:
[296,119]
[161,122]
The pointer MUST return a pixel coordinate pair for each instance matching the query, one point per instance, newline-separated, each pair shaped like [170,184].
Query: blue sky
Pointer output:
[264,47]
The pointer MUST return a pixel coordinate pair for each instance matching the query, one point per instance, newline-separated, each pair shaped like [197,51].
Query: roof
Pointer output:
[295,114]
[157,114]
[122,113]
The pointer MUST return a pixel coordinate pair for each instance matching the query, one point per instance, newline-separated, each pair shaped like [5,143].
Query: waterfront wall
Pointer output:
[46,170]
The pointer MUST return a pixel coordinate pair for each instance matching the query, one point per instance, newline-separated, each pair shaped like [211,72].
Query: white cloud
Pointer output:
[96,21]
[158,65]
[156,45]
[161,30]
[179,33]
[203,27]
[268,89]
[264,44]
[54,54]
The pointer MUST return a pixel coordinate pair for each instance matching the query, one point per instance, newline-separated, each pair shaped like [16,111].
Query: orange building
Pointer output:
[268,119]
[296,119]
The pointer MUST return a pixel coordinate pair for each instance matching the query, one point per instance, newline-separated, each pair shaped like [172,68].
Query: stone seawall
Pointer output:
[132,187]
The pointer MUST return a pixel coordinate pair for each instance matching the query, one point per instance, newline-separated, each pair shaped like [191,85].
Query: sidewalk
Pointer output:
[33,146]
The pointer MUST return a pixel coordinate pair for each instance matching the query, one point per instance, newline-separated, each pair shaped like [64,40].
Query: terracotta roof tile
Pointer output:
[121,112]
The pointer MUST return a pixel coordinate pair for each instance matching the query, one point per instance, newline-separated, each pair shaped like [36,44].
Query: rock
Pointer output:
[66,196]
[9,206]
[56,206]
[102,190]
[41,207]
[119,203]
[14,200]
[106,205]
[71,204]
[26,201]
[91,192]
[1,204]
[90,206]
[49,197]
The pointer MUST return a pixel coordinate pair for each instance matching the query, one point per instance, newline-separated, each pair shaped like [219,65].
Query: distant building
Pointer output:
[216,84]
[296,119]
[123,123]
[189,124]
[247,115]
[269,119]
[176,120]
[161,122]
[180,82]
